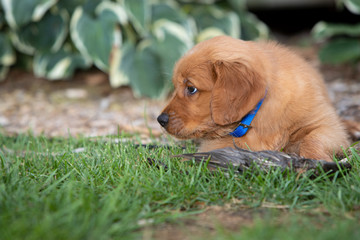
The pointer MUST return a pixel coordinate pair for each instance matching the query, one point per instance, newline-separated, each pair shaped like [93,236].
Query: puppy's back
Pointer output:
[302,97]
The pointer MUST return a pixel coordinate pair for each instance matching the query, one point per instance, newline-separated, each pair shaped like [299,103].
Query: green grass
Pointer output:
[48,190]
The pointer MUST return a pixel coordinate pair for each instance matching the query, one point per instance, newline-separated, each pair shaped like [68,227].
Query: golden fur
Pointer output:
[231,77]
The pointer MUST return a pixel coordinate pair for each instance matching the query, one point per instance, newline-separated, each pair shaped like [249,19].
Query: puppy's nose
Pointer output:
[163,119]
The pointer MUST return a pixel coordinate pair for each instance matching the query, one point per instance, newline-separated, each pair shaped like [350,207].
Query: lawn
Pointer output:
[104,188]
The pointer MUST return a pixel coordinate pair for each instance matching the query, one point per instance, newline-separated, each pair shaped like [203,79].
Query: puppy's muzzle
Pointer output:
[163,119]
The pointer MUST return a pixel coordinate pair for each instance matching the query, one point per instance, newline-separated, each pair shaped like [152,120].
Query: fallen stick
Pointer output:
[241,159]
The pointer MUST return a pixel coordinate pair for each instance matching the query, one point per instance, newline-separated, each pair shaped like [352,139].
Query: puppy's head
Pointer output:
[217,83]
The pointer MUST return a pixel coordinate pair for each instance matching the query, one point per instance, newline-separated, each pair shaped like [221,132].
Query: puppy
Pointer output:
[220,82]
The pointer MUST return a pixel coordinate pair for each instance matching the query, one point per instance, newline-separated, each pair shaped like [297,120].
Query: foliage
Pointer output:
[136,41]
[342,40]
[104,188]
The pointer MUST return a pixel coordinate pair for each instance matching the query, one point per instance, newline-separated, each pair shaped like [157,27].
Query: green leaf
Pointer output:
[112,10]
[46,35]
[3,72]
[211,16]
[145,77]
[7,54]
[171,42]
[121,63]
[18,13]
[208,33]
[353,6]
[139,14]
[70,5]
[323,30]
[172,12]
[58,65]
[252,28]
[139,67]
[340,51]
[94,37]
[169,11]
[238,5]
[148,68]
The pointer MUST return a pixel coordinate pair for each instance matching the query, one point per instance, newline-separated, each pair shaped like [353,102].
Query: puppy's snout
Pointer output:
[163,119]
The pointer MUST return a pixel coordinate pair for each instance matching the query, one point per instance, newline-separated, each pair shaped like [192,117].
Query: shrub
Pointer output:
[342,40]
[136,41]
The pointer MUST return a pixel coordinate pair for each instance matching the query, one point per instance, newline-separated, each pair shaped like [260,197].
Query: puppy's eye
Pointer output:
[191,90]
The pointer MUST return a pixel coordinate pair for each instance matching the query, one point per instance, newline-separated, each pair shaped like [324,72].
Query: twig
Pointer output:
[241,159]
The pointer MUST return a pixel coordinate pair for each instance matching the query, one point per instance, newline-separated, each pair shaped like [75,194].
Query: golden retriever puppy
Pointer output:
[271,96]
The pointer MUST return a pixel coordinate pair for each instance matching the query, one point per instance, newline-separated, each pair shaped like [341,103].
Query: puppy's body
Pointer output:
[230,77]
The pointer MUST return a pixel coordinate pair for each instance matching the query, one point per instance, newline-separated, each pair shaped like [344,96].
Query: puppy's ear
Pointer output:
[236,92]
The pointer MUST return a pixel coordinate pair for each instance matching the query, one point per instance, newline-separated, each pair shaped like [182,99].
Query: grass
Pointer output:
[79,188]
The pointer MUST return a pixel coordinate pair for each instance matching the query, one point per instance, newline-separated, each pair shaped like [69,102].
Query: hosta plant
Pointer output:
[342,41]
[136,42]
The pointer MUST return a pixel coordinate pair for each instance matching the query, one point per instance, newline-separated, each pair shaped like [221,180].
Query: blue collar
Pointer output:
[244,125]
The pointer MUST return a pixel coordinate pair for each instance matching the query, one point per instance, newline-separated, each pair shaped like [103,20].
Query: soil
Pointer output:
[85,106]
[206,223]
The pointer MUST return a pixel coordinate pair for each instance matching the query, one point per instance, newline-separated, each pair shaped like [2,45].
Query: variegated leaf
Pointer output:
[323,30]
[7,54]
[139,14]
[121,64]
[211,16]
[95,37]
[3,72]
[145,76]
[171,42]
[46,35]
[58,65]
[353,6]
[18,13]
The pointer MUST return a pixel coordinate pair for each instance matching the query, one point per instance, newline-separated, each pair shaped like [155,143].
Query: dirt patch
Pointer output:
[207,223]
[232,217]
[86,105]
